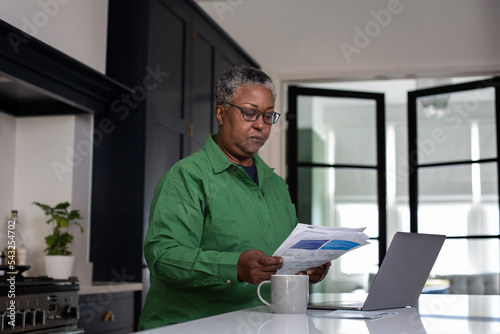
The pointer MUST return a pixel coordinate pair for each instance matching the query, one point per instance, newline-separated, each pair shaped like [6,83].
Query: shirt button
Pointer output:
[228,281]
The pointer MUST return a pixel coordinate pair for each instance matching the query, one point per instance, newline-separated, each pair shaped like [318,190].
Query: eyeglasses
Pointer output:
[269,117]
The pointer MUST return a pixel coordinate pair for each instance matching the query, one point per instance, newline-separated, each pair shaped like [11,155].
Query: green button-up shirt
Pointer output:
[205,212]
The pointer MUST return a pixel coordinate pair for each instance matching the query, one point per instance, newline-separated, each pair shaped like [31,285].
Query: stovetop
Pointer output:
[39,284]
[38,304]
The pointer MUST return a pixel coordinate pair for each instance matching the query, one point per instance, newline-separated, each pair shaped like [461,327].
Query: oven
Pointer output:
[38,304]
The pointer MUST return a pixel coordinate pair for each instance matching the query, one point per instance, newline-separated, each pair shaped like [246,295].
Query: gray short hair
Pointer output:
[238,76]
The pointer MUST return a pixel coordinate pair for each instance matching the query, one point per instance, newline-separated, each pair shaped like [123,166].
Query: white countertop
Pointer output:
[108,287]
[436,314]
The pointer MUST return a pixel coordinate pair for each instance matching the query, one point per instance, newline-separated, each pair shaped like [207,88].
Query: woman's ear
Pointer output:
[219,113]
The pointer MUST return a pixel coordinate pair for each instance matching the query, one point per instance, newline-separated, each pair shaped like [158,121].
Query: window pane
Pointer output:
[334,130]
[353,271]
[347,198]
[459,200]
[448,219]
[338,197]
[456,126]
[363,260]
[359,215]
[467,257]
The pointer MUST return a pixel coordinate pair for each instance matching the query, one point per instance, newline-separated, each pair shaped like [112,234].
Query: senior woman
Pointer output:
[218,215]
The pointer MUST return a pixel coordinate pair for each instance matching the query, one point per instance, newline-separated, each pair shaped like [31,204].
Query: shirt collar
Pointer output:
[220,162]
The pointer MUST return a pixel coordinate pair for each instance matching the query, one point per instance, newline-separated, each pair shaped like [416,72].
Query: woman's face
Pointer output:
[238,138]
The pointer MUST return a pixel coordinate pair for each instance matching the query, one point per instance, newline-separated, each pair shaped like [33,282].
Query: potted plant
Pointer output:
[59,261]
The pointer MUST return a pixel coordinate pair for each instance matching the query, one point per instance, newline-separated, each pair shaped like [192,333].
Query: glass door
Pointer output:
[454,178]
[336,173]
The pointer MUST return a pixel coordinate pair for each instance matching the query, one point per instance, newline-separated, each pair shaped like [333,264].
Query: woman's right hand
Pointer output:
[255,267]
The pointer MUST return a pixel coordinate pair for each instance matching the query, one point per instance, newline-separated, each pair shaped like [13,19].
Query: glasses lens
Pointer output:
[271,117]
[250,114]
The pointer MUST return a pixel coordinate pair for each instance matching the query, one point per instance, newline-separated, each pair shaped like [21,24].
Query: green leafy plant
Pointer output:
[61,219]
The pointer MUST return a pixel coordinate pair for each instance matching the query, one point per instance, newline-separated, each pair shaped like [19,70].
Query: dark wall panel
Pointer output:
[171,53]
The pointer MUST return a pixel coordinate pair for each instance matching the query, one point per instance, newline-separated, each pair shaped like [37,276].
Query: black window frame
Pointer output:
[413,164]
[293,163]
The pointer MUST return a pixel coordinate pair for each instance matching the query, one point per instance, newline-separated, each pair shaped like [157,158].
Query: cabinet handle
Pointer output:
[189,130]
[108,316]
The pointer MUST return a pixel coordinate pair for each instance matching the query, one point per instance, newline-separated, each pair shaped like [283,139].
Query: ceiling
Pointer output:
[343,39]
[395,90]
[299,42]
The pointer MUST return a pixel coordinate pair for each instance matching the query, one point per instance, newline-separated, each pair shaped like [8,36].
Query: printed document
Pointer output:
[343,314]
[311,246]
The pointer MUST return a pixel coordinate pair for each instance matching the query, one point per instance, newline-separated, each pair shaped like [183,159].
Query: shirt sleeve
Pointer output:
[172,244]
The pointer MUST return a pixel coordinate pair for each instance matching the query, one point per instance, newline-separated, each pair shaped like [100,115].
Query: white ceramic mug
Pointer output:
[289,293]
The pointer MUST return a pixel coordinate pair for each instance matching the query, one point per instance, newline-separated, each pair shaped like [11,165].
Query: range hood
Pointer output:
[36,79]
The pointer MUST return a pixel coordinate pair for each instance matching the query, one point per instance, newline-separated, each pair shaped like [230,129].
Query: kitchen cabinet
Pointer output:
[170,53]
[38,80]
[107,312]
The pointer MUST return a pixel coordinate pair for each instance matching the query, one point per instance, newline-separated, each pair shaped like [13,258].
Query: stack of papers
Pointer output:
[370,315]
[311,246]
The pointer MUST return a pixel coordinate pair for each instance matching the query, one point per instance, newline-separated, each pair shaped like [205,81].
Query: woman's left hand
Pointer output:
[317,274]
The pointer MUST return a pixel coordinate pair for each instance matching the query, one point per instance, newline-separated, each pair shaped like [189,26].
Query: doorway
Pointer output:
[354,270]
[454,177]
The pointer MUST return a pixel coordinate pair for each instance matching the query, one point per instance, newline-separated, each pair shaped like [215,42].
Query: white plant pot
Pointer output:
[59,266]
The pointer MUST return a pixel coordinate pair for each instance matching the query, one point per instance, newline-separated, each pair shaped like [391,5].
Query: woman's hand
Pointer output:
[317,274]
[254,266]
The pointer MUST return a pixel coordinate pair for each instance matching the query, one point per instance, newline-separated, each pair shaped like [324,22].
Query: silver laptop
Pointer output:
[401,276]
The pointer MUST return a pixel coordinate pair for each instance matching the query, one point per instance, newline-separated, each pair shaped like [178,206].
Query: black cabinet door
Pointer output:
[171,52]
[202,82]
[166,105]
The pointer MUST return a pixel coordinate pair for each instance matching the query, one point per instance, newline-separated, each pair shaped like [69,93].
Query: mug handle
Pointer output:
[260,297]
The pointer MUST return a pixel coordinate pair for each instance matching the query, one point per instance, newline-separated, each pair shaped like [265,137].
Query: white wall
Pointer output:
[7,167]
[39,142]
[296,40]
[30,146]
[293,40]
[78,28]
